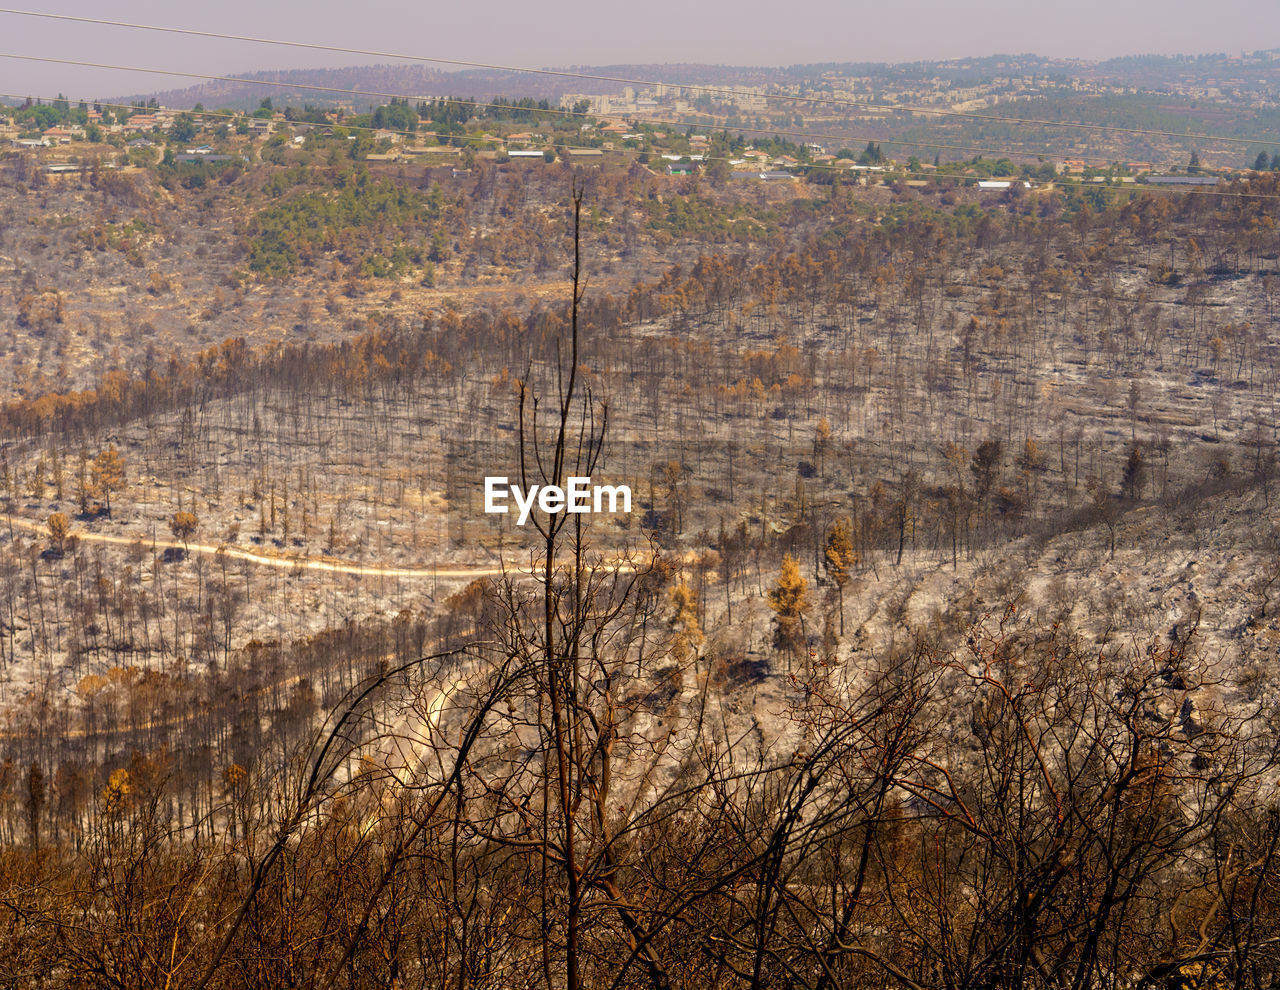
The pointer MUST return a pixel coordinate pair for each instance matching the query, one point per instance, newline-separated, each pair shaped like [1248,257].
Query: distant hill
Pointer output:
[1257,71]
[333,86]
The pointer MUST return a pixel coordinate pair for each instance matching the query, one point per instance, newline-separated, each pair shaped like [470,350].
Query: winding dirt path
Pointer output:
[291,561]
[284,561]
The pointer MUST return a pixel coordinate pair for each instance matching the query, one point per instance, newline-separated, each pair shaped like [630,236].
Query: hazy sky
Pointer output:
[557,33]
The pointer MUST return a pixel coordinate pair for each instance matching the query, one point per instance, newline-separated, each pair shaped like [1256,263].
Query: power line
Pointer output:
[708,90]
[801,135]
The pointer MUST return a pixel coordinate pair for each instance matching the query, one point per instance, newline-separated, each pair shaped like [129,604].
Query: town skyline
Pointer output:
[556,35]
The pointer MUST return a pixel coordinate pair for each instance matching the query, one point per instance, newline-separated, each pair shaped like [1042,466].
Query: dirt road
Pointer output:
[285,561]
[298,561]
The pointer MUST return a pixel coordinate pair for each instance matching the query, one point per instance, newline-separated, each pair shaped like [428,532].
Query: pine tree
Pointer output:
[59,529]
[107,472]
[839,560]
[183,526]
[686,633]
[789,600]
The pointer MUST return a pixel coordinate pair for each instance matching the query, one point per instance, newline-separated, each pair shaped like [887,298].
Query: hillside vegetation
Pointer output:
[938,649]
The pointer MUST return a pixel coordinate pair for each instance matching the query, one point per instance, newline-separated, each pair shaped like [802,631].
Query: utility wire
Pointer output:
[708,90]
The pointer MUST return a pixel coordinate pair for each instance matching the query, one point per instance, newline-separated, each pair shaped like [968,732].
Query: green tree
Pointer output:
[719,173]
[183,129]
[396,116]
